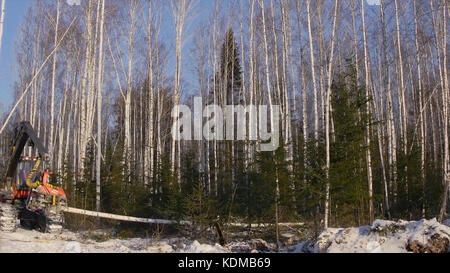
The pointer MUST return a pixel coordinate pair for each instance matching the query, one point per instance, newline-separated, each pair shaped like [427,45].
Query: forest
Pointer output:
[362,90]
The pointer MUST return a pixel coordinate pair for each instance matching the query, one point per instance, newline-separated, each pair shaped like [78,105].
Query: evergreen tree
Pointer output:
[230,79]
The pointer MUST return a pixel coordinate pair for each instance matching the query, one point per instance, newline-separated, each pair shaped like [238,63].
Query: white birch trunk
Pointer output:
[391,131]
[2,21]
[149,147]
[127,117]
[402,92]
[327,114]
[52,96]
[287,95]
[445,102]
[180,9]
[269,97]
[313,73]
[421,107]
[99,112]
[368,141]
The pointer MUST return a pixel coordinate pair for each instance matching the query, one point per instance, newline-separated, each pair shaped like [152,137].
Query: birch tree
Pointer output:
[313,71]
[252,68]
[180,11]
[304,92]
[391,129]
[149,147]
[269,98]
[367,87]
[402,91]
[127,118]
[83,134]
[2,21]
[99,112]
[327,114]
[421,106]
[445,102]
[285,26]
[52,96]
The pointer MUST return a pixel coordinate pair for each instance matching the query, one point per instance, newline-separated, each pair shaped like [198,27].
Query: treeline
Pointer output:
[363,91]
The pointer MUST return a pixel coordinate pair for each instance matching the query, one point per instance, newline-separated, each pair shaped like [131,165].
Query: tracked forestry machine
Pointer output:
[26,195]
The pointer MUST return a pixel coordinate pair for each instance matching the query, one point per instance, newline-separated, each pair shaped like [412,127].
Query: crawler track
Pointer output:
[8,217]
[50,218]
[39,215]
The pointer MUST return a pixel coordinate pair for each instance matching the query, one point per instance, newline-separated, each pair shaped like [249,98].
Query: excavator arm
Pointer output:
[23,133]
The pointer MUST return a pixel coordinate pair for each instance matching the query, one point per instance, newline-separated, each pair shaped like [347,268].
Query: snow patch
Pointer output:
[27,241]
[425,236]
[251,246]
[196,247]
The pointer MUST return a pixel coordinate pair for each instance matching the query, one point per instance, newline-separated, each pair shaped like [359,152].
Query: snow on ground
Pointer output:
[381,237]
[27,241]
[425,236]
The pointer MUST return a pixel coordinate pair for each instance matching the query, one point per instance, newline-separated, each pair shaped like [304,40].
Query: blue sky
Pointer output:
[14,13]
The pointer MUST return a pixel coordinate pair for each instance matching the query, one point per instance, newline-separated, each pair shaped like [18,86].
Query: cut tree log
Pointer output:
[123,217]
[156,221]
